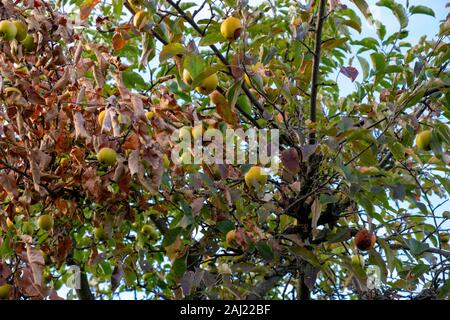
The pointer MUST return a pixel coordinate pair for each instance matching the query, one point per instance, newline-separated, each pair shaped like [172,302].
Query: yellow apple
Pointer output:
[208,85]
[231,28]
[8,30]
[45,222]
[255,177]
[166,161]
[187,77]
[358,261]
[184,133]
[230,238]
[101,116]
[141,19]
[22,30]
[5,290]
[9,223]
[423,140]
[150,115]
[100,234]
[197,132]
[444,237]
[107,156]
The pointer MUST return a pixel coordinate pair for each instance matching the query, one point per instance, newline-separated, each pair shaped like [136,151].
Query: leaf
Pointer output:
[265,250]
[36,263]
[87,7]
[417,247]
[205,73]
[134,163]
[390,255]
[170,50]
[195,65]
[422,10]
[290,160]
[350,72]
[444,291]
[316,210]
[334,43]
[210,38]
[365,66]
[179,267]
[116,277]
[80,131]
[378,61]
[397,9]
[8,184]
[117,8]
[398,151]
[306,254]
[352,24]
[364,8]
[197,205]
[377,259]
[170,236]
[118,42]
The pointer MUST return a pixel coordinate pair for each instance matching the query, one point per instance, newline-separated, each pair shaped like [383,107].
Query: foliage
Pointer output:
[147,225]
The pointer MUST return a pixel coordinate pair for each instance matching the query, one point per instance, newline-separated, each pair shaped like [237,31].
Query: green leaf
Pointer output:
[397,9]
[390,255]
[397,149]
[352,24]
[381,30]
[416,247]
[133,80]
[210,38]
[378,61]
[393,69]
[421,10]
[117,5]
[365,66]
[179,267]
[444,291]
[342,234]
[334,43]
[225,226]
[265,250]
[327,198]
[306,254]
[195,65]
[170,50]
[376,259]
[206,73]
[170,236]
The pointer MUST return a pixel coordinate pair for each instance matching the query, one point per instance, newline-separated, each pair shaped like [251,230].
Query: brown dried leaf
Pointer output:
[290,160]
[36,263]
[80,131]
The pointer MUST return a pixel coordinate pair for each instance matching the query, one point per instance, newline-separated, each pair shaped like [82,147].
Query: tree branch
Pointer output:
[316,67]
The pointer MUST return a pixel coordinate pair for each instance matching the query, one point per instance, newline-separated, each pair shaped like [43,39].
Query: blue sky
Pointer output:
[419,25]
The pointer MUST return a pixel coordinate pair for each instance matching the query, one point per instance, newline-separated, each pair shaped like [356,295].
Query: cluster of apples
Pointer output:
[231,29]
[108,156]
[17,30]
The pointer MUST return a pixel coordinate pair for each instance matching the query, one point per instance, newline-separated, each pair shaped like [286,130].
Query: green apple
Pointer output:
[8,30]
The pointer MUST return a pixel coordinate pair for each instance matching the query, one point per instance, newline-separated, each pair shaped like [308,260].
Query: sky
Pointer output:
[419,25]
